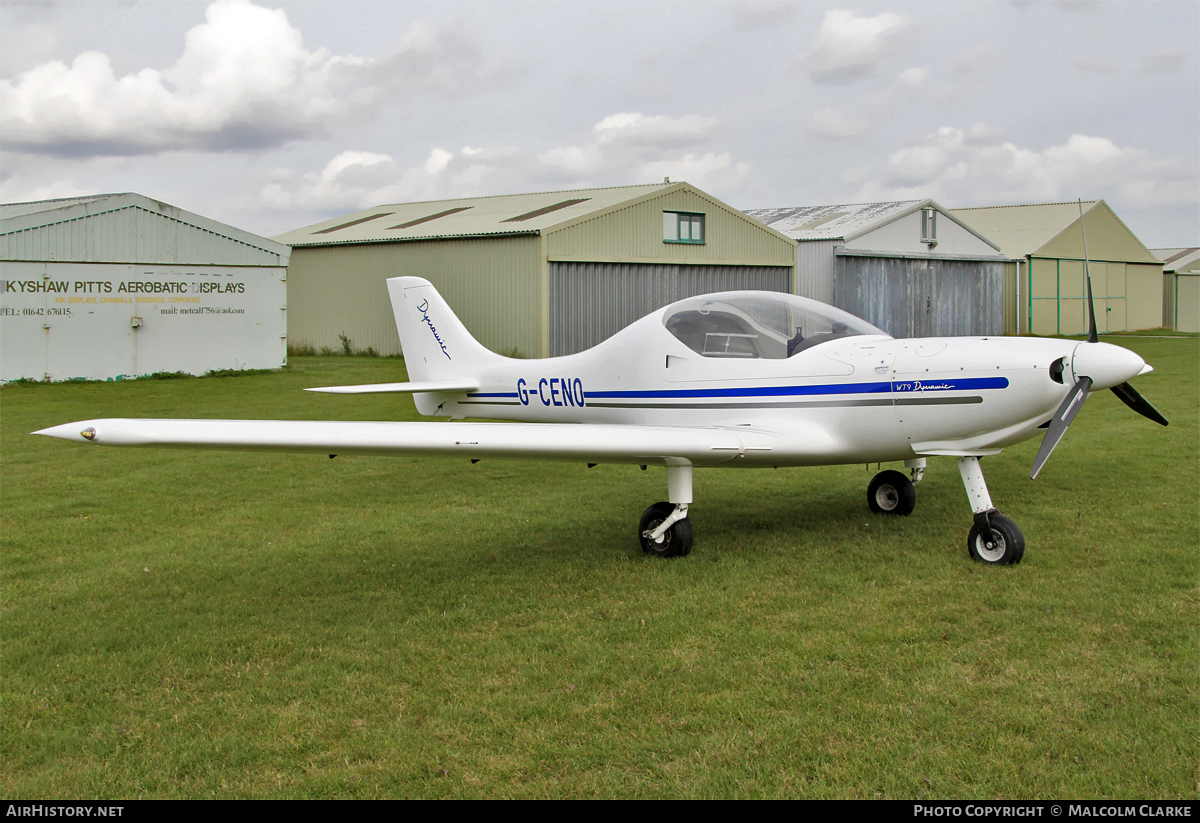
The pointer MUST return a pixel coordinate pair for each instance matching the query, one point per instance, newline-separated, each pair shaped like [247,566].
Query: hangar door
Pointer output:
[922,297]
[1058,296]
[590,302]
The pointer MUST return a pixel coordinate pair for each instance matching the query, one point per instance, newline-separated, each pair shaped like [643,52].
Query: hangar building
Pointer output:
[120,285]
[910,267]
[1181,288]
[1046,288]
[538,275]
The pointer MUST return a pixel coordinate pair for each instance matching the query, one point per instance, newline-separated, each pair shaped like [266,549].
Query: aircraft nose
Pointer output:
[1106,364]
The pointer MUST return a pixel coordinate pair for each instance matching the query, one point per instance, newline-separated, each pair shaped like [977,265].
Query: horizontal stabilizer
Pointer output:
[387,388]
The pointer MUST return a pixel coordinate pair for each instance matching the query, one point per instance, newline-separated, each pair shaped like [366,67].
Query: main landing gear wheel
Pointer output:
[891,492]
[675,541]
[1002,545]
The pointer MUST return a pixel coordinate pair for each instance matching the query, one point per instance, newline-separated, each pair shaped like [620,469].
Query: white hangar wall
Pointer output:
[106,321]
[119,286]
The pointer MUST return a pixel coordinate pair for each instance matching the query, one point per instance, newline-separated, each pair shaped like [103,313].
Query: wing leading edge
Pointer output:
[416,388]
[522,441]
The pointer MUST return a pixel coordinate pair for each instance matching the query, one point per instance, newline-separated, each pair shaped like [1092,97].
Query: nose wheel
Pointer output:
[994,539]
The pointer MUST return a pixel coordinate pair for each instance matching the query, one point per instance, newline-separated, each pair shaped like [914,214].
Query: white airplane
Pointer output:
[738,379]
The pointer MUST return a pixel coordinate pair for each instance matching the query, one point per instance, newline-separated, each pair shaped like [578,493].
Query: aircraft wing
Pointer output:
[385,388]
[529,441]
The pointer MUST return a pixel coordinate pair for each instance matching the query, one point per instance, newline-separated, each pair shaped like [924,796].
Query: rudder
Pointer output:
[436,345]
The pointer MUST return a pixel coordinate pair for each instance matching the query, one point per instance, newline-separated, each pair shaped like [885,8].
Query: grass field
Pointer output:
[220,624]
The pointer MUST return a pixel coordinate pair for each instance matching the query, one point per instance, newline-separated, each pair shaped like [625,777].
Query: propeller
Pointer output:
[1073,402]
[1131,398]
[1058,425]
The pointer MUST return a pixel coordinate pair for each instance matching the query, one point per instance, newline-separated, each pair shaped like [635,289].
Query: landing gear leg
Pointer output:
[916,469]
[665,530]
[994,539]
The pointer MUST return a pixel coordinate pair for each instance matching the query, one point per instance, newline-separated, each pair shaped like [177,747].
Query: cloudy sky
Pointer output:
[275,115]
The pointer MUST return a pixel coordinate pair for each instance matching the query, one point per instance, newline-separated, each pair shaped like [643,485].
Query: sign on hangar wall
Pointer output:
[106,321]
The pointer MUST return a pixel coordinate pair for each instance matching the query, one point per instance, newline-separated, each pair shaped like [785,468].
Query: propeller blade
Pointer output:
[1087,273]
[1092,338]
[1131,398]
[1070,407]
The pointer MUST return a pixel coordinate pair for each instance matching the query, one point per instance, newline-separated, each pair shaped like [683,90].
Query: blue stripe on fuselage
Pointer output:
[959,384]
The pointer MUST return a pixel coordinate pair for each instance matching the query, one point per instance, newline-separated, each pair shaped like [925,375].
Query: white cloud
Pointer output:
[364,159]
[352,180]
[625,147]
[955,167]
[244,80]
[849,47]
[438,160]
[637,127]
[583,159]
[626,141]
[914,77]
[711,172]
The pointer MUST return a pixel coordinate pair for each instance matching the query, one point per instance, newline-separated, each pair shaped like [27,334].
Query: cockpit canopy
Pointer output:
[759,324]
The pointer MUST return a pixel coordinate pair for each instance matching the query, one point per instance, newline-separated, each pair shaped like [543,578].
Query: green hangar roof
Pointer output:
[510,214]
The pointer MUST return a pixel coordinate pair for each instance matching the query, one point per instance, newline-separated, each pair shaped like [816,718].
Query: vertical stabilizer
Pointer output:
[437,346]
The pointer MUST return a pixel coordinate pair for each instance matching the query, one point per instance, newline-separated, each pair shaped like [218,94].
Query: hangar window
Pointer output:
[929,227]
[759,325]
[683,227]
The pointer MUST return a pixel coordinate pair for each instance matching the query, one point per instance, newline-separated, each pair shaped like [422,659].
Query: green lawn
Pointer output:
[221,624]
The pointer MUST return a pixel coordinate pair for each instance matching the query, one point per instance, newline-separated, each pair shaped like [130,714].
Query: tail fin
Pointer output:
[437,346]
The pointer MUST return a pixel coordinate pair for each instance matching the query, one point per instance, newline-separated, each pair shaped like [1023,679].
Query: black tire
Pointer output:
[891,492]
[1006,546]
[676,541]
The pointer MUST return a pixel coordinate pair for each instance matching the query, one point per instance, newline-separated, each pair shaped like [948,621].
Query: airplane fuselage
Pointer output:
[856,399]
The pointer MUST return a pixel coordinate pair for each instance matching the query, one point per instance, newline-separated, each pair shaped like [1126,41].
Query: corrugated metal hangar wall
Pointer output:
[537,275]
[589,302]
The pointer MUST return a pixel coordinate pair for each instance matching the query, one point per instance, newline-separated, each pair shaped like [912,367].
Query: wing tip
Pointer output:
[77,432]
